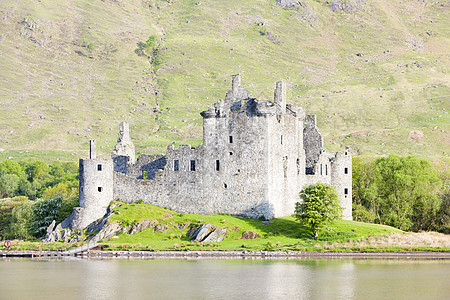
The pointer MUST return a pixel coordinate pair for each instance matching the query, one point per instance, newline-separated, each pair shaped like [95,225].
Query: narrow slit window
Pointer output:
[217,165]
[176,165]
[320,169]
[192,165]
[281,139]
[326,169]
[230,139]
[99,189]
[225,185]
[346,191]
[345,170]
[99,167]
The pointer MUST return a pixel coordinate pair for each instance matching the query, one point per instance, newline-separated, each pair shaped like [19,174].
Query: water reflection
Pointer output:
[223,279]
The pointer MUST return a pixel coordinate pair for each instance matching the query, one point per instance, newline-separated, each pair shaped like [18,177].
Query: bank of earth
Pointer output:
[169,230]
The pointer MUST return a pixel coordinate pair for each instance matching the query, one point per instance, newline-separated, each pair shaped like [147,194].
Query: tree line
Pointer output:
[33,192]
[408,193]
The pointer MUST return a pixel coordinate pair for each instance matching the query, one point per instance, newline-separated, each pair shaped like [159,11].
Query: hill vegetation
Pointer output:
[375,72]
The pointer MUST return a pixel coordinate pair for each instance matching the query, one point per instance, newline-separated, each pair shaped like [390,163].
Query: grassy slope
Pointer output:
[281,233]
[70,72]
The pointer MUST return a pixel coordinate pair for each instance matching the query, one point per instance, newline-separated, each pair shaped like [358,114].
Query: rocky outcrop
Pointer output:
[108,230]
[249,235]
[288,4]
[207,233]
[139,226]
[58,232]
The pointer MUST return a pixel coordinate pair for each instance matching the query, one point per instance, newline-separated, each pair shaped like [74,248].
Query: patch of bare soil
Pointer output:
[416,135]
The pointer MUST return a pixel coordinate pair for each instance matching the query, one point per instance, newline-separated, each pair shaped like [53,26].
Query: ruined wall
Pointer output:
[312,142]
[149,163]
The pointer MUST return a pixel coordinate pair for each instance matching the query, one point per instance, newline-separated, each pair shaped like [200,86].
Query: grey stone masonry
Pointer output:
[255,158]
[124,146]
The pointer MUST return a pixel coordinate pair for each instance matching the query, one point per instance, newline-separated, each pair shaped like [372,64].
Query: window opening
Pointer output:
[326,169]
[345,170]
[346,191]
[225,185]
[192,165]
[281,139]
[320,169]
[176,165]
[230,139]
[99,189]
[298,166]
[231,153]
[217,165]
[99,167]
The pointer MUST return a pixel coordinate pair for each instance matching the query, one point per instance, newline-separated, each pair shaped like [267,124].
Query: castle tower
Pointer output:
[341,179]
[96,188]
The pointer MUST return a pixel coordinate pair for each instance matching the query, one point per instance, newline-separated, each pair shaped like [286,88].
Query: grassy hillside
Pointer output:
[375,72]
[280,233]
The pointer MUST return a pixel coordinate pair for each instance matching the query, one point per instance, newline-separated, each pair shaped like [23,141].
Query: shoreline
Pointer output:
[99,254]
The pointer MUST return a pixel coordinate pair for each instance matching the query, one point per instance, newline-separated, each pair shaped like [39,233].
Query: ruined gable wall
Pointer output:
[312,141]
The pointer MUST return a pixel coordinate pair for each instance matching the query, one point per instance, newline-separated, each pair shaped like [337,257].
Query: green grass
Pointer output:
[404,47]
[280,233]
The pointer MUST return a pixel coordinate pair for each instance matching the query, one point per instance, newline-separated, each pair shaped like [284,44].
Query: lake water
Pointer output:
[223,279]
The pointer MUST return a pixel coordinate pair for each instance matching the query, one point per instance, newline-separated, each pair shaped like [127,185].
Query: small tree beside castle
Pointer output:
[320,206]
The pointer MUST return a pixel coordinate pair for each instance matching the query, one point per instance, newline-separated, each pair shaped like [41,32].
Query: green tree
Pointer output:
[403,192]
[319,206]
[408,192]
[9,184]
[20,220]
[44,212]
[6,207]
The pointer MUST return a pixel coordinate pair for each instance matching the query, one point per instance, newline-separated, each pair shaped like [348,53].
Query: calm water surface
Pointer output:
[223,279]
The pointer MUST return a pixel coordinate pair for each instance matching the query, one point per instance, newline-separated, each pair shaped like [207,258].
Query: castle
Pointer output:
[255,158]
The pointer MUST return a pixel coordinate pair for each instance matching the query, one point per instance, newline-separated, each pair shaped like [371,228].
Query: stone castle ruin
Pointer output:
[255,158]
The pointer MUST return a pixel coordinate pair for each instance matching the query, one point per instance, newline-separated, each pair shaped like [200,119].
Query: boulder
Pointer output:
[249,235]
[216,236]
[206,233]
[139,226]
